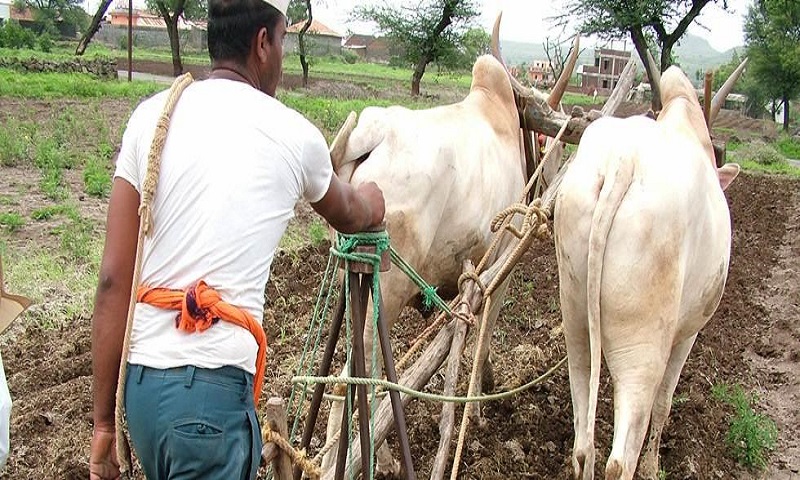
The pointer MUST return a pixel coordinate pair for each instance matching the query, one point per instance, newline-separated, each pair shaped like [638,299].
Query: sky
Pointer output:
[526,20]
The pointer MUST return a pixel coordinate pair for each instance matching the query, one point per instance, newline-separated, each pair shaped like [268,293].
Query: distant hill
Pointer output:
[692,52]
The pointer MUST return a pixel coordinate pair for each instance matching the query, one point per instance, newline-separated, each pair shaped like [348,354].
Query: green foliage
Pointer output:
[789,147]
[52,12]
[433,31]
[96,177]
[13,150]
[317,232]
[349,56]
[750,435]
[13,35]
[772,33]
[11,221]
[59,85]
[297,11]
[45,42]
[76,237]
[50,211]
[761,153]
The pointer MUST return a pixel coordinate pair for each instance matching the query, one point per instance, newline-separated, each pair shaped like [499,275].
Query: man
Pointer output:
[10,308]
[234,165]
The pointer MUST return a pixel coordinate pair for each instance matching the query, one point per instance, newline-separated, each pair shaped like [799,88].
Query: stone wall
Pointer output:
[116,36]
[99,67]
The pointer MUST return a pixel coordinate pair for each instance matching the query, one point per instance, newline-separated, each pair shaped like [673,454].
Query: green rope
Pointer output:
[424,395]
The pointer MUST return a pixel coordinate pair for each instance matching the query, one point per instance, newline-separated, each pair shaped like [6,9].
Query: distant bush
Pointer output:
[45,42]
[349,56]
[761,153]
[13,35]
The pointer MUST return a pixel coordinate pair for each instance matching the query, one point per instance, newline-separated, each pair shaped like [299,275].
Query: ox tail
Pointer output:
[616,182]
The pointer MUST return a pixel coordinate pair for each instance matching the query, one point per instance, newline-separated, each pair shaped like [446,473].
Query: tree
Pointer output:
[772,35]
[171,11]
[643,20]
[748,85]
[297,10]
[51,12]
[433,31]
[94,26]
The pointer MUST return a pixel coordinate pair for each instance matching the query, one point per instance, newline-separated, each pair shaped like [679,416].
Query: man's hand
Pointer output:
[373,197]
[350,209]
[103,464]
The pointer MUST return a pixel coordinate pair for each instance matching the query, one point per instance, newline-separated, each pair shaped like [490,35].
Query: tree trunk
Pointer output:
[175,46]
[641,48]
[172,30]
[786,112]
[419,71]
[301,42]
[93,27]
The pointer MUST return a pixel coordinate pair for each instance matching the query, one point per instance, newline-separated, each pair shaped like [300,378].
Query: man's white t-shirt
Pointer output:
[235,163]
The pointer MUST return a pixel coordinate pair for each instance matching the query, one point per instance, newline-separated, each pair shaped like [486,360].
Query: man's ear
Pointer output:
[262,45]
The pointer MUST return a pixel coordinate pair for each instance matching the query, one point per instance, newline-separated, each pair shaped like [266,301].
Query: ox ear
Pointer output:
[727,174]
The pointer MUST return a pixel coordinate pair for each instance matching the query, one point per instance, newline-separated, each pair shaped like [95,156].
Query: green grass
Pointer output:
[789,147]
[96,177]
[61,289]
[50,211]
[751,436]
[11,221]
[317,232]
[69,85]
[13,149]
[328,114]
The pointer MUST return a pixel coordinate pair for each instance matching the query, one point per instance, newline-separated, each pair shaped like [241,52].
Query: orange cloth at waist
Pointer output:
[200,306]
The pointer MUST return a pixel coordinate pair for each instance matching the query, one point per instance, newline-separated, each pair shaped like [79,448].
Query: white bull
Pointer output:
[643,238]
[445,172]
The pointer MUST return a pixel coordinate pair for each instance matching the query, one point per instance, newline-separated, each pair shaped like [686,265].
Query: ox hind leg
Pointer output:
[576,333]
[648,467]
[637,371]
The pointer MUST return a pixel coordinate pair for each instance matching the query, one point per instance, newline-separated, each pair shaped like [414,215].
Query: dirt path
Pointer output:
[778,354]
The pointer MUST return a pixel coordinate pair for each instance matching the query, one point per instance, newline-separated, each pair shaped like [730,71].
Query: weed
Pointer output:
[13,150]
[750,435]
[96,178]
[680,399]
[11,221]
[76,237]
[51,184]
[50,211]
[788,146]
[760,152]
[317,232]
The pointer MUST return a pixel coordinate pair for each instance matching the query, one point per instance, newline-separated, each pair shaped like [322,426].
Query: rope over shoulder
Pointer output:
[145,224]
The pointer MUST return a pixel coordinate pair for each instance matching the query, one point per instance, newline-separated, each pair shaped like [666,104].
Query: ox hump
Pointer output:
[488,73]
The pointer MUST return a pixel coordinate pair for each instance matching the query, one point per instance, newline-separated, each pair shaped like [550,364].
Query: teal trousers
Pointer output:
[193,423]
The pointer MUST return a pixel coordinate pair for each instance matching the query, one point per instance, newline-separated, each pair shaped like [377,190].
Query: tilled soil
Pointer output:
[752,341]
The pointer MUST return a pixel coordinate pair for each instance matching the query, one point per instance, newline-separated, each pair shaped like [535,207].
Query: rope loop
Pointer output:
[299,457]
[471,275]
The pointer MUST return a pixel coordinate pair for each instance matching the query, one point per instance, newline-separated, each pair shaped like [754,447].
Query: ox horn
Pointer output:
[521,90]
[538,114]
[554,100]
[722,94]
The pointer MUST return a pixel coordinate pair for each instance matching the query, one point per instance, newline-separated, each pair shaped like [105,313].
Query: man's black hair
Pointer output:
[232,24]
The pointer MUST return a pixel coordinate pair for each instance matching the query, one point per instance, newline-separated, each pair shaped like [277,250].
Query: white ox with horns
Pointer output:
[445,173]
[643,238]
